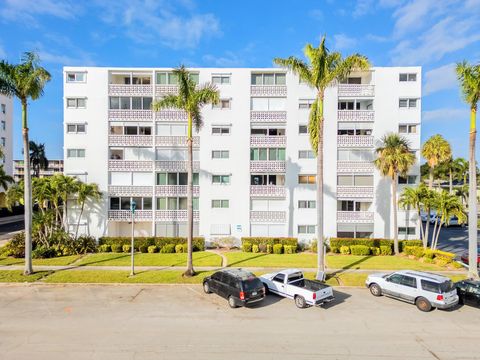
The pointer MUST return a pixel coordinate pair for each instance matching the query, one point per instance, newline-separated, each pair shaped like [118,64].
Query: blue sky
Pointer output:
[431,33]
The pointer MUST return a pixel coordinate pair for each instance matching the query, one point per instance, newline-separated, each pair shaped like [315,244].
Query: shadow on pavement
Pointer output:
[340,297]
[270,299]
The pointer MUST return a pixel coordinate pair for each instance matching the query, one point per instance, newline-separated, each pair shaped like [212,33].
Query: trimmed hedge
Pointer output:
[247,247]
[337,243]
[198,242]
[362,250]
[270,241]
[290,249]
[278,249]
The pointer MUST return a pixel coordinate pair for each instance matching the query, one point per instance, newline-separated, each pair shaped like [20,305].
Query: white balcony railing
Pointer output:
[268,216]
[175,215]
[354,217]
[268,90]
[263,166]
[130,190]
[171,115]
[175,165]
[354,192]
[356,90]
[268,191]
[130,115]
[175,141]
[268,116]
[130,140]
[130,90]
[268,141]
[161,90]
[354,141]
[355,115]
[126,215]
[175,190]
[130,165]
[355,167]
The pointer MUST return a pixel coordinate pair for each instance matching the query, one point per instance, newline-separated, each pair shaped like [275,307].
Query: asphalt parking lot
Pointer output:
[181,322]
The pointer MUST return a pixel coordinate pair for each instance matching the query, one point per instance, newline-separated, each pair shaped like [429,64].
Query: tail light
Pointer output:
[242,295]
[440,297]
[314,296]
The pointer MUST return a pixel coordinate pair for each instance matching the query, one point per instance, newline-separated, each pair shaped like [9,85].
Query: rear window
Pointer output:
[251,284]
[434,287]
[447,286]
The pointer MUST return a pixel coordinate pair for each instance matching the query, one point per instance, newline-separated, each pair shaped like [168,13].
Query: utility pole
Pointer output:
[133,206]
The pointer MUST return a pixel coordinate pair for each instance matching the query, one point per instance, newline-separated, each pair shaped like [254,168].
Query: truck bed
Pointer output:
[311,285]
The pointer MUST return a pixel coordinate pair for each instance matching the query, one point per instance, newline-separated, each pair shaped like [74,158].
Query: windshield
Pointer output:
[251,284]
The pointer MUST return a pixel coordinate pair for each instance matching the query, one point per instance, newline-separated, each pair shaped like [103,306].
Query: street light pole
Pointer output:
[133,206]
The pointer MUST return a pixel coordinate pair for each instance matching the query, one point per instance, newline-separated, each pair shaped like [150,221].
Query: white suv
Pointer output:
[423,289]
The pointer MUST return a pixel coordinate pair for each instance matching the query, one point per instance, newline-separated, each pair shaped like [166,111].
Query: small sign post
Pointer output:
[133,206]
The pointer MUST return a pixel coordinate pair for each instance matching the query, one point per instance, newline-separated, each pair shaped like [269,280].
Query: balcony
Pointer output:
[126,215]
[130,115]
[175,141]
[355,217]
[268,90]
[130,165]
[130,140]
[171,115]
[354,192]
[130,90]
[355,115]
[354,141]
[268,141]
[175,190]
[270,191]
[161,90]
[129,190]
[355,167]
[356,90]
[175,215]
[268,116]
[268,216]
[267,166]
[175,165]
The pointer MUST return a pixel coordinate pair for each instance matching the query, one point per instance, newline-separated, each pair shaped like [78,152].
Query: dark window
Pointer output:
[279,278]
[147,203]
[125,203]
[409,281]
[182,179]
[430,286]
[395,278]
[251,284]
[216,276]
[115,203]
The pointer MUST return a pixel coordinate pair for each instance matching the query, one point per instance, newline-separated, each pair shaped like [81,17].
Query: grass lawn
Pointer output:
[17,276]
[244,259]
[60,261]
[201,258]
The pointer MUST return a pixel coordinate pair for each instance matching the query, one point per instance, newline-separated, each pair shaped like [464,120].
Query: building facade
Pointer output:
[253,164]
[54,167]
[6,132]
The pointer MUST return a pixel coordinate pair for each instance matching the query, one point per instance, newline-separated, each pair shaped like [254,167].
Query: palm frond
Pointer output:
[168,102]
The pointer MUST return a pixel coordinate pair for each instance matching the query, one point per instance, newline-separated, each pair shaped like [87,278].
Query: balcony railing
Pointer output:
[354,141]
[356,90]
[357,217]
[174,215]
[268,90]
[175,141]
[161,90]
[130,115]
[268,216]
[175,190]
[356,115]
[263,166]
[130,165]
[268,116]
[175,165]
[355,192]
[126,215]
[267,141]
[171,115]
[130,90]
[130,140]
[355,167]
[130,190]
[268,191]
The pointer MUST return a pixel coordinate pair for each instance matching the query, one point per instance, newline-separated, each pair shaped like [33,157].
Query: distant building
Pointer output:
[6,127]
[54,167]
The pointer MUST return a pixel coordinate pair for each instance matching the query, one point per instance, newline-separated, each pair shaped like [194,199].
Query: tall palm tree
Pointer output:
[469,78]
[324,69]
[38,158]
[190,98]
[435,150]
[5,179]
[25,81]
[394,157]
[413,197]
[85,192]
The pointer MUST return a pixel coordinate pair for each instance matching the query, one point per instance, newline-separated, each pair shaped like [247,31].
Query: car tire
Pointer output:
[265,286]
[423,304]
[206,288]
[300,302]
[231,302]
[375,289]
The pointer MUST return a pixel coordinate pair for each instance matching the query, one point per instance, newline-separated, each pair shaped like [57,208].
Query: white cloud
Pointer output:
[376,38]
[363,7]
[26,10]
[342,41]
[452,115]
[230,58]
[440,78]
[411,16]
[70,56]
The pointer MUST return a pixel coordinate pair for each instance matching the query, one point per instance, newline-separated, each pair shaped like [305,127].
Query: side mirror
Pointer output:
[387,279]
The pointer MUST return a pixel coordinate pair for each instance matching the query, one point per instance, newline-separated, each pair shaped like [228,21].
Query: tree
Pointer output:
[25,81]
[461,170]
[64,187]
[435,150]
[394,157]
[86,192]
[413,198]
[190,98]
[38,158]
[469,78]
[324,69]
[5,179]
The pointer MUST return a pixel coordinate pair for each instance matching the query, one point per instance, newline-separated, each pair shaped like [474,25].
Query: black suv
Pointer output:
[240,287]
[469,292]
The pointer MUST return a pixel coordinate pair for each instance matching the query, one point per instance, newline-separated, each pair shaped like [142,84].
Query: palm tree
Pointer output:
[42,192]
[5,179]
[469,78]
[25,81]
[413,198]
[15,195]
[394,157]
[85,192]
[462,167]
[324,69]
[38,158]
[435,150]
[64,186]
[190,98]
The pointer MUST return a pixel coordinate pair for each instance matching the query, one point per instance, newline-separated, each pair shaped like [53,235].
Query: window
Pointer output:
[220,179]
[302,129]
[355,128]
[165,178]
[361,231]
[355,155]
[395,278]
[3,125]
[409,281]
[270,154]
[407,77]
[355,180]
[305,103]
[127,103]
[407,129]
[264,179]
[306,154]
[174,154]
[76,103]
[220,154]
[306,229]
[307,179]
[409,179]
[268,79]
[221,130]
[76,128]
[353,205]
[407,103]
[76,153]
[279,278]
[175,203]
[76,77]
[430,286]
[220,204]
[222,104]
[348,105]
[306,204]
[221,79]
[4,108]
[268,104]
[402,230]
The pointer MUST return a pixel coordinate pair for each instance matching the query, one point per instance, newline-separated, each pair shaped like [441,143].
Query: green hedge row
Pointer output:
[270,241]
[337,243]
[160,242]
[269,249]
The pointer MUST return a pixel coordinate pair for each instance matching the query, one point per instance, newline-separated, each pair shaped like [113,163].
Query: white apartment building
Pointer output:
[254,168]
[54,167]
[6,132]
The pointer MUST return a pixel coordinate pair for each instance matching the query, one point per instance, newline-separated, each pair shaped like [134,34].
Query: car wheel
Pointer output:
[300,302]
[206,288]
[231,302]
[375,290]
[423,304]
[265,286]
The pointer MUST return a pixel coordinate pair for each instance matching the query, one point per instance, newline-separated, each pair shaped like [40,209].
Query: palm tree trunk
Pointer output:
[437,235]
[79,219]
[190,271]
[450,178]
[422,232]
[27,193]
[396,249]
[430,178]
[427,228]
[434,234]
[320,242]
[472,199]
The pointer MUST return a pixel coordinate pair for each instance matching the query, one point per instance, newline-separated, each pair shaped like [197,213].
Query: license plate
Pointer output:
[254,293]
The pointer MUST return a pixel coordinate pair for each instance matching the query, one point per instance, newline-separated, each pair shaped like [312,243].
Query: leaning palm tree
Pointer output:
[5,179]
[413,197]
[469,78]
[38,158]
[86,192]
[190,98]
[435,150]
[394,157]
[25,81]
[324,69]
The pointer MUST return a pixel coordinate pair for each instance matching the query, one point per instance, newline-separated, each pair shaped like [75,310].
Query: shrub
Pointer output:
[16,246]
[270,240]
[344,250]
[386,250]
[152,249]
[126,248]
[168,249]
[255,249]
[43,253]
[105,248]
[441,262]
[418,251]
[278,249]
[179,248]
[429,254]
[85,244]
[246,247]
[262,248]
[143,249]
[375,250]
[408,250]
[117,248]
[334,249]
[403,243]
[290,249]
[198,243]
[359,250]
[448,257]
[313,246]
[269,249]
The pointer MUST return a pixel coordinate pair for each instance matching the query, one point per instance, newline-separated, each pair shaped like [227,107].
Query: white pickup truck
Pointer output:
[290,283]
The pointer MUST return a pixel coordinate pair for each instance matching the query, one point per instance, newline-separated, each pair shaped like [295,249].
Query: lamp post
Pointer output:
[133,206]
